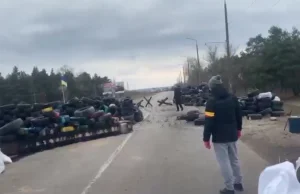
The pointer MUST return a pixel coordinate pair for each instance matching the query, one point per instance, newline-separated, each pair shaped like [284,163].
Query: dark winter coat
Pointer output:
[177,94]
[223,117]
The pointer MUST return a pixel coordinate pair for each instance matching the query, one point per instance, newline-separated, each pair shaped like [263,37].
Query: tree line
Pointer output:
[40,86]
[267,63]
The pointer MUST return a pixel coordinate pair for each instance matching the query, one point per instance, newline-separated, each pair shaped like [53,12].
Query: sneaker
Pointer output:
[226,191]
[238,187]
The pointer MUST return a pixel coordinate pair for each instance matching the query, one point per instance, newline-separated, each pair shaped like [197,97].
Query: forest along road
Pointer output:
[162,156]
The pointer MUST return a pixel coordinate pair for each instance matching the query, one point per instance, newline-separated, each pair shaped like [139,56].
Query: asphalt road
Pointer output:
[161,156]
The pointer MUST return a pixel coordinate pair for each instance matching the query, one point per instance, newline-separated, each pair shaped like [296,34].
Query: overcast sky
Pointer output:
[141,42]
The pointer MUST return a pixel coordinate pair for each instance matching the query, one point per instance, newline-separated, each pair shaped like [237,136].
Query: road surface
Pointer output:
[162,156]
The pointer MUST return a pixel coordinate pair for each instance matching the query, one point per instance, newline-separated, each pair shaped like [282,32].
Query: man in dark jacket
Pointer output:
[177,97]
[223,121]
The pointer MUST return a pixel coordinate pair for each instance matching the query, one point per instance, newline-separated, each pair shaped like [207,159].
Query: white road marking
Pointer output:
[107,163]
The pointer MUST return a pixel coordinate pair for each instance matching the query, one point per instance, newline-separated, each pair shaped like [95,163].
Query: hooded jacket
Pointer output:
[223,117]
[177,94]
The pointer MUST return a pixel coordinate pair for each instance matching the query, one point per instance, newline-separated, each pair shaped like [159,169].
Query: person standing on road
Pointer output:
[223,121]
[178,97]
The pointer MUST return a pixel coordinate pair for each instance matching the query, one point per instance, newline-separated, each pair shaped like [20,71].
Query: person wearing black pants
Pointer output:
[178,97]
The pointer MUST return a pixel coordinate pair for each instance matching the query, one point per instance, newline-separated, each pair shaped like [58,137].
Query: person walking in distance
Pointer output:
[177,97]
[223,121]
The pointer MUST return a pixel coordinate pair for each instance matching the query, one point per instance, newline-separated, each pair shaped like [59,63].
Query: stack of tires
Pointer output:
[127,109]
[9,131]
[195,96]
[40,126]
[257,105]
[277,108]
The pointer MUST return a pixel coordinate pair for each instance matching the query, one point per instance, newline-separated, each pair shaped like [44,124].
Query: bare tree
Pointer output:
[212,55]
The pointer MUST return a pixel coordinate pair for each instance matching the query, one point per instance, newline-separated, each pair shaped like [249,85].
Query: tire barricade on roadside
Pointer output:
[256,105]
[28,128]
[195,96]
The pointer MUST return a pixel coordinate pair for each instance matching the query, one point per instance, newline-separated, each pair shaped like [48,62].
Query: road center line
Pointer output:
[107,163]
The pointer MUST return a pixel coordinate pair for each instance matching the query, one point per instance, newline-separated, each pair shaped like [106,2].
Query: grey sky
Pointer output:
[137,41]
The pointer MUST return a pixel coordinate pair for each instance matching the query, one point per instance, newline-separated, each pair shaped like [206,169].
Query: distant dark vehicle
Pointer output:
[119,88]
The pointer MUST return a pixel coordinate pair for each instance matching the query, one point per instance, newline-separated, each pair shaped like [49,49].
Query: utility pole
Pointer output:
[198,60]
[183,73]
[228,45]
[227,31]
[188,77]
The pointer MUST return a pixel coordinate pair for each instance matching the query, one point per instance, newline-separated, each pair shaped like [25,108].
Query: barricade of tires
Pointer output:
[35,127]
[195,96]
[257,105]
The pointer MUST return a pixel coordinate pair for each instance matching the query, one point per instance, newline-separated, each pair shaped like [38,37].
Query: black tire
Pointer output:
[98,114]
[188,104]
[249,103]
[2,123]
[84,128]
[200,121]
[138,116]
[27,122]
[87,101]
[7,118]
[265,112]
[193,112]
[250,100]
[79,120]
[247,112]
[7,107]
[8,138]
[36,114]
[50,114]
[253,108]
[24,106]
[277,113]
[182,117]
[277,105]
[38,106]
[85,112]
[11,127]
[277,109]
[73,101]
[40,122]
[100,125]
[254,116]
[54,104]
[129,118]
[191,117]
[253,93]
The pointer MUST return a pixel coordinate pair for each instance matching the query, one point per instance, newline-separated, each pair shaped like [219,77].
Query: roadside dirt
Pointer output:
[269,140]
